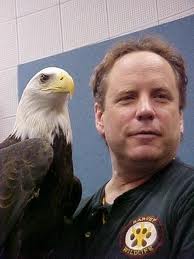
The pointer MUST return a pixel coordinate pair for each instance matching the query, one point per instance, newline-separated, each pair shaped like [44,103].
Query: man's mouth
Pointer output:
[147,132]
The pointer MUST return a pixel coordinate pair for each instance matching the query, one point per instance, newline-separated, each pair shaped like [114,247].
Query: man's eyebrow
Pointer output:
[127,91]
[162,89]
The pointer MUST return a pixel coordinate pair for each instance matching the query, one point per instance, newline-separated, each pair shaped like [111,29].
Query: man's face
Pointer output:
[141,120]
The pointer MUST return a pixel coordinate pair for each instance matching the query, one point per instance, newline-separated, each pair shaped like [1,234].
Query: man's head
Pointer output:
[139,98]
[155,45]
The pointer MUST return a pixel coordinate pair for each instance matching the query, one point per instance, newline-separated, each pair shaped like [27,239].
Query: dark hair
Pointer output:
[152,44]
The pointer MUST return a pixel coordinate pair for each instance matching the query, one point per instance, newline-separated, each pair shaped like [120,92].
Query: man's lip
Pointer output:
[144,132]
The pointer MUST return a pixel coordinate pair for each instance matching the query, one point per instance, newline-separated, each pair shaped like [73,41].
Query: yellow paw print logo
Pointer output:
[141,235]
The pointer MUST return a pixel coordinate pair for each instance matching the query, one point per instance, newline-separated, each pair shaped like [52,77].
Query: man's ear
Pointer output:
[181,123]
[98,111]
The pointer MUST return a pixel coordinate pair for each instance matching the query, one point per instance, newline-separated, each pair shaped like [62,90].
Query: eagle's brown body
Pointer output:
[52,193]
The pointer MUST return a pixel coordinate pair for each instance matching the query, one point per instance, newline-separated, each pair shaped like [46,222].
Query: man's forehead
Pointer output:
[138,64]
[146,58]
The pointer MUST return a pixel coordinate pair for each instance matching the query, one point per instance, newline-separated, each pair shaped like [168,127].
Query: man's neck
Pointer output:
[117,186]
[124,180]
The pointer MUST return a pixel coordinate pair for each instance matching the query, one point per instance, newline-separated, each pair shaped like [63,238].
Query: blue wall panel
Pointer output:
[91,159]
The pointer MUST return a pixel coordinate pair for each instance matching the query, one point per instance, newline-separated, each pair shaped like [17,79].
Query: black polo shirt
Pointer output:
[154,220]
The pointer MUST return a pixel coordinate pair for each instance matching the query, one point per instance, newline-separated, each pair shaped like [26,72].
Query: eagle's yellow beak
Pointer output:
[62,83]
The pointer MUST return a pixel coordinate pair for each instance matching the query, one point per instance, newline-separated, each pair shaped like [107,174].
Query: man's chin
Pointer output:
[146,155]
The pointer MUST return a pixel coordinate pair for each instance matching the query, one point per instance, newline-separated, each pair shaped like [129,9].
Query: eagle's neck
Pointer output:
[38,117]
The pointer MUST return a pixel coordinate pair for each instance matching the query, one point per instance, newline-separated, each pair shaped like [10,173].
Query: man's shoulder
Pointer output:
[183,170]
[88,202]
[82,205]
[180,178]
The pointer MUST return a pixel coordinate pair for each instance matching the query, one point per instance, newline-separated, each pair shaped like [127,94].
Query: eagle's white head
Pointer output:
[43,108]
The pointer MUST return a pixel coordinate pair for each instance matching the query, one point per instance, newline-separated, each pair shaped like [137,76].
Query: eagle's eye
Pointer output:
[44,78]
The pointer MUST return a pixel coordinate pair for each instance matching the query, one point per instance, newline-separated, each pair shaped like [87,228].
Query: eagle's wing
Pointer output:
[75,195]
[22,167]
[9,141]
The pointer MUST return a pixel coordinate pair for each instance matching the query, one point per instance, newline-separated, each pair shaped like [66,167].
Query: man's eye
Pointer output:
[162,97]
[129,97]
[44,78]
[126,99]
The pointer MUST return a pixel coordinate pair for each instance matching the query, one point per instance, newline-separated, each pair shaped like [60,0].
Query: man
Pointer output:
[146,210]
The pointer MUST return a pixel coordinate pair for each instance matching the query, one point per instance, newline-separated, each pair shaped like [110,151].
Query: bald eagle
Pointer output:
[38,189]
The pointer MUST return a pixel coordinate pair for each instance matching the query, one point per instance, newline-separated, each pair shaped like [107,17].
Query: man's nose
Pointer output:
[145,109]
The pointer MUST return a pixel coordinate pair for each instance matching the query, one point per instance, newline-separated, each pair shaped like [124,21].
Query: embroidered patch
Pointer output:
[141,236]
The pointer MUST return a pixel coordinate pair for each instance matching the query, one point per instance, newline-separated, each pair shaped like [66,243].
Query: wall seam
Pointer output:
[17,34]
[107,15]
[176,14]
[38,11]
[157,11]
[61,26]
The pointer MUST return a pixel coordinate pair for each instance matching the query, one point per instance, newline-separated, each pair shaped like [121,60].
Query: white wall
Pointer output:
[33,29]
